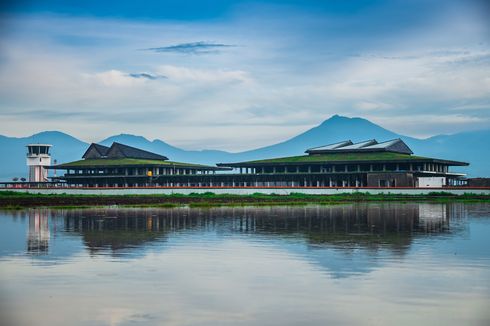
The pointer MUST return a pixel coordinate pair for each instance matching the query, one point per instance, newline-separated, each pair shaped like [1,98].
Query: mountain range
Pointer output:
[469,146]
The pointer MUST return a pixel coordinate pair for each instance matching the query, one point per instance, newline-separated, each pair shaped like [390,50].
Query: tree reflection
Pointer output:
[390,225]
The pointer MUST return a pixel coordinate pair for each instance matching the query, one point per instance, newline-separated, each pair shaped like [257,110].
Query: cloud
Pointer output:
[293,70]
[146,76]
[192,48]
[186,74]
[372,106]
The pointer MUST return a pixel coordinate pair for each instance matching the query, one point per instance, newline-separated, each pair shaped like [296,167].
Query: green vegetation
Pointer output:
[257,203]
[124,162]
[15,200]
[12,207]
[343,157]
[162,205]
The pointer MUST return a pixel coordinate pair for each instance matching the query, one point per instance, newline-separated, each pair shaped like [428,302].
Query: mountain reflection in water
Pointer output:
[368,226]
[390,263]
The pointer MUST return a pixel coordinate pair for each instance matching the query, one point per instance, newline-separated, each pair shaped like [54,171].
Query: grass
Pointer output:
[162,205]
[13,207]
[15,200]
[241,204]
[125,162]
[341,157]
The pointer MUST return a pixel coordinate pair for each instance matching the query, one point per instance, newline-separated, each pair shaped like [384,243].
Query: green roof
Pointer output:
[343,157]
[126,162]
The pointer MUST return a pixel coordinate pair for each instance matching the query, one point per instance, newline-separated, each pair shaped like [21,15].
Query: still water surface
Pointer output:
[369,264]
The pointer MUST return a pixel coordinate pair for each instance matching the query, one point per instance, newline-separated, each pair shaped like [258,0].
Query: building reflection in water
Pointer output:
[370,226]
[38,233]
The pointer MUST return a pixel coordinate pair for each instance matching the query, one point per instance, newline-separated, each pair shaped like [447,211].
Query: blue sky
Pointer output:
[236,75]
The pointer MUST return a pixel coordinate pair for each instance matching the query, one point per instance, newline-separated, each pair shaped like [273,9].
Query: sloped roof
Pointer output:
[359,145]
[101,149]
[344,158]
[130,162]
[372,145]
[330,146]
[118,150]
[394,145]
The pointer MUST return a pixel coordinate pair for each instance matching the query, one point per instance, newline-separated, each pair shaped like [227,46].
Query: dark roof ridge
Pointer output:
[132,152]
[339,142]
[101,149]
[387,141]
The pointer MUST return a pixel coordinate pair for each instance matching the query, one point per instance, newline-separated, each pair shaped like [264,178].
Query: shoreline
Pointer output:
[15,200]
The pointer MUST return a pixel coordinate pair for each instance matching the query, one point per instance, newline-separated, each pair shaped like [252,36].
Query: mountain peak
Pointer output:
[124,138]
[51,136]
[50,133]
[343,120]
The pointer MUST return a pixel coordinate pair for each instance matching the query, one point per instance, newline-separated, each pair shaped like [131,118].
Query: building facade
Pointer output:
[124,166]
[38,160]
[344,164]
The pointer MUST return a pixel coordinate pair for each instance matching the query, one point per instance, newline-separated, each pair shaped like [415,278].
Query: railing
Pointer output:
[54,185]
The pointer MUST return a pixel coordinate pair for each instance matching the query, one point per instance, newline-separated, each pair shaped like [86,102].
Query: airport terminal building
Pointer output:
[124,166]
[344,164]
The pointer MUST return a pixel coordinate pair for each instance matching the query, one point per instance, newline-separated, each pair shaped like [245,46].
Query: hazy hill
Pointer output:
[65,148]
[468,146]
[332,130]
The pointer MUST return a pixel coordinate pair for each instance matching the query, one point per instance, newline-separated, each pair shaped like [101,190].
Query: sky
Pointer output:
[236,75]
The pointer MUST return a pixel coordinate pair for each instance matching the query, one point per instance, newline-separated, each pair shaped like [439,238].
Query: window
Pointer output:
[352,168]
[378,167]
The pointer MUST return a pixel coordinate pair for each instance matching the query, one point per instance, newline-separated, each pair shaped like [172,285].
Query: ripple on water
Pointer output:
[392,264]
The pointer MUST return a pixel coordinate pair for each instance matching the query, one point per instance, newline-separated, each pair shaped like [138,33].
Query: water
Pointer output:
[369,264]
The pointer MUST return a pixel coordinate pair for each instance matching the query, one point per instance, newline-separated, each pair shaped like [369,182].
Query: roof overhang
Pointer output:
[166,165]
[412,160]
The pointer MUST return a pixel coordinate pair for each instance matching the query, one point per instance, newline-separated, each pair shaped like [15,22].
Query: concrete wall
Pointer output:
[247,191]
[430,182]
[390,179]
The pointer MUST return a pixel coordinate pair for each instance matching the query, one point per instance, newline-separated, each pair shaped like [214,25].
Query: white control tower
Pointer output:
[38,158]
